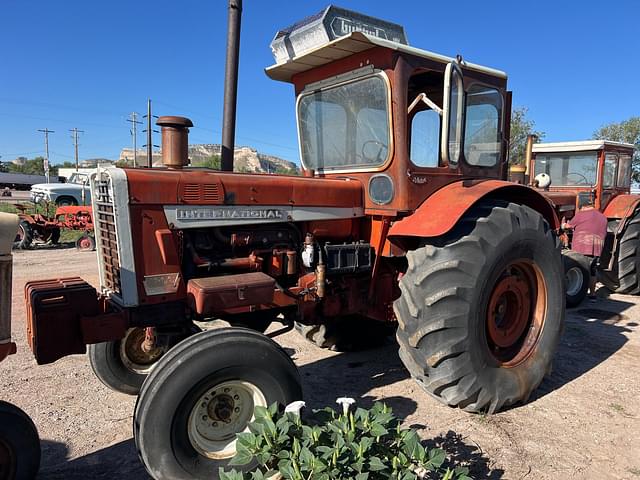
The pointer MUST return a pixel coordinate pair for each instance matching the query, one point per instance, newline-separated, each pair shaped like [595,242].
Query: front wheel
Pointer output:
[577,277]
[481,310]
[19,444]
[123,365]
[204,392]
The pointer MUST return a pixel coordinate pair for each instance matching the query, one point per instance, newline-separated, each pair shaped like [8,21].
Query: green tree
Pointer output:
[521,127]
[627,131]
[34,166]
[212,162]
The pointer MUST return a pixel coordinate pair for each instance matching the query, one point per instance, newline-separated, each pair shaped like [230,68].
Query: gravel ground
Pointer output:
[583,422]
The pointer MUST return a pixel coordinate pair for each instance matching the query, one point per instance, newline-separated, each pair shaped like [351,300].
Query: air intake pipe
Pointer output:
[175,141]
[528,155]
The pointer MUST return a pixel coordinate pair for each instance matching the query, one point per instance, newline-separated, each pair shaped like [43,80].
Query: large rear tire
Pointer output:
[24,236]
[628,261]
[19,444]
[201,394]
[346,334]
[482,310]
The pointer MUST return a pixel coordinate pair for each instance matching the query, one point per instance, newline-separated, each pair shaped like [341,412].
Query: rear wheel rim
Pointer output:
[222,412]
[575,280]
[20,234]
[516,312]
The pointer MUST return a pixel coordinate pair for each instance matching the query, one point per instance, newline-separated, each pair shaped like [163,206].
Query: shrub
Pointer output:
[360,445]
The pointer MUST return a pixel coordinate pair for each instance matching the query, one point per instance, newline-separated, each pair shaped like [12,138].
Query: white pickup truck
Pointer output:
[75,192]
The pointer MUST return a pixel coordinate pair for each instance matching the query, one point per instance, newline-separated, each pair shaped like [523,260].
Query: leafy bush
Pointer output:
[360,445]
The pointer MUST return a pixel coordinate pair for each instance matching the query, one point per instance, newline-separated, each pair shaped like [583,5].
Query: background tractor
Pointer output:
[404,217]
[599,170]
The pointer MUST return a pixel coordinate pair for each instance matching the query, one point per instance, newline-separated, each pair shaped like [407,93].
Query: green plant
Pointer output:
[360,445]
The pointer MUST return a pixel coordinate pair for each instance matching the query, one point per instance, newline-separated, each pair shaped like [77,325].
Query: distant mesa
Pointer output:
[246,159]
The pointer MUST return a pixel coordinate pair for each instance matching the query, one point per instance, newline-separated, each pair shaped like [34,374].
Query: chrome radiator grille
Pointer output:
[106,236]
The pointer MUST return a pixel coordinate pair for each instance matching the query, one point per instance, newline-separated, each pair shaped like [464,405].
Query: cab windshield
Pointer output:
[568,169]
[345,126]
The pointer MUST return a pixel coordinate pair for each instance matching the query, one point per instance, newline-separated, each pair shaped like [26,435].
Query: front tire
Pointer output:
[201,394]
[122,365]
[19,444]
[577,277]
[482,310]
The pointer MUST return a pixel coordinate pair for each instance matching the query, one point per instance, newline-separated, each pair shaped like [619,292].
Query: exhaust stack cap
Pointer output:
[175,141]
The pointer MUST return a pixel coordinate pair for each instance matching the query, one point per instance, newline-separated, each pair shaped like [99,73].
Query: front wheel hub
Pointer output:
[219,414]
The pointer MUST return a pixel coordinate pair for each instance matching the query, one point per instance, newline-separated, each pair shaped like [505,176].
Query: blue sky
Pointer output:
[88,64]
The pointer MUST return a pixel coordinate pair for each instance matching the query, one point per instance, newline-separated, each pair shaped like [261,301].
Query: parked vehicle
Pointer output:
[23,181]
[404,217]
[43,228]
[75,191]
[601,170]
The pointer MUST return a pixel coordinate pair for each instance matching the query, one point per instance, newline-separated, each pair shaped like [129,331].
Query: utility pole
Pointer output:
[46,132]
[134,122]
[149,131]
[75,143]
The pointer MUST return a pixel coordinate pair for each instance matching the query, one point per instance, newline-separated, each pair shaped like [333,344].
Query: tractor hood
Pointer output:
[210,187]
[54,187]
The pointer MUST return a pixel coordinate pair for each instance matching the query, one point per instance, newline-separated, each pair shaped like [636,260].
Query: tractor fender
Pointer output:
[439,213]
[622,206]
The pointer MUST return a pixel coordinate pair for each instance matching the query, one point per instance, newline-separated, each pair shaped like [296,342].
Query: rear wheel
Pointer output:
[628,255]
[24,236]
[577,277]
[204,392]
[346,334]
[124,364]
[66,202]
[481,310]
[19,444]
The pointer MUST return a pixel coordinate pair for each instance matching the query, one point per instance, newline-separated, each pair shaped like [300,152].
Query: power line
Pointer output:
[134,123]
[46,132]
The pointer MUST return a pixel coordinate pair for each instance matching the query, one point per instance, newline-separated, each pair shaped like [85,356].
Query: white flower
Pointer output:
[295,407]
[346,402]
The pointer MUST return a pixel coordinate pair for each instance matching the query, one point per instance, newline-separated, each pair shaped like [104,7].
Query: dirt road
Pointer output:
[583,422]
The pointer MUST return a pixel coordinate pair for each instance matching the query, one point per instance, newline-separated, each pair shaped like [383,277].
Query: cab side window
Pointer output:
[425,139]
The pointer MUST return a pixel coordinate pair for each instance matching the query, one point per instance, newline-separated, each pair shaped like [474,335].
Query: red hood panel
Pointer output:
[208,187]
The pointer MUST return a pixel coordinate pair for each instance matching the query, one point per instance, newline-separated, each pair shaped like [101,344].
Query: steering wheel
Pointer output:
[586,180]
[381,147]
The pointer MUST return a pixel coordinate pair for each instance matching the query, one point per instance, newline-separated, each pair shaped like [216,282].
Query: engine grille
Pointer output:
[201,193]
[104,222]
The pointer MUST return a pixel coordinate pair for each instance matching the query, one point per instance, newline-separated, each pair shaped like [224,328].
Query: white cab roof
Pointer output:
[354,43]
[581,146]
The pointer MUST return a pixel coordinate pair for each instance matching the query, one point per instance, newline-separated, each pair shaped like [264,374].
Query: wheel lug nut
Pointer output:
[214,424]
[204,417]
[236,397]
[237,409]
[204,405]
[227,390]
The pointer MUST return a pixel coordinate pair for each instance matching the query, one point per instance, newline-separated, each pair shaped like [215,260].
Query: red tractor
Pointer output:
[599,170]
[44,228]
[404,217]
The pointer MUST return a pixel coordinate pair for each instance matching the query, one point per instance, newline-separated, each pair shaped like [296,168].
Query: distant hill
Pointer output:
[246,159]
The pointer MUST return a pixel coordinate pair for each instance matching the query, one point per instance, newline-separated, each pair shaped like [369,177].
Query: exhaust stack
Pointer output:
[531,139]
[231,85]
[175,141]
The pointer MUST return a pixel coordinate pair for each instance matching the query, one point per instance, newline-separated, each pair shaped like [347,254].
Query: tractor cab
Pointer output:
[403,121]
[578,171]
